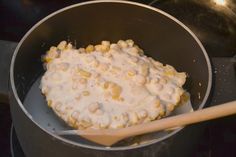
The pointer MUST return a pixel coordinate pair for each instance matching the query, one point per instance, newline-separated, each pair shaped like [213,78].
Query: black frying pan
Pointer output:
[160,35]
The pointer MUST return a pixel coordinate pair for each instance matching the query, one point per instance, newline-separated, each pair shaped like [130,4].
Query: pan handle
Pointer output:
[6,51]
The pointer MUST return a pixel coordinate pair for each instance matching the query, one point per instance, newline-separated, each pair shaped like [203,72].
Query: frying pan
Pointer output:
[160,35]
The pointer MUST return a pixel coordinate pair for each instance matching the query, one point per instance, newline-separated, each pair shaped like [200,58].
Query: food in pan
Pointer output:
[110,85]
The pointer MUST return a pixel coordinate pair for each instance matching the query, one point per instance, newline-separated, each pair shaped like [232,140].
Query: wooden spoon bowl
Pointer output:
[108,137]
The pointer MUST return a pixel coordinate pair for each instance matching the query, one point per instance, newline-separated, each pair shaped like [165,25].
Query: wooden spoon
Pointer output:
[109,137]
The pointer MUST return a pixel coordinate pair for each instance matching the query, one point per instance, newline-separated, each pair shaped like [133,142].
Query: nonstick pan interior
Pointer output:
[161,36]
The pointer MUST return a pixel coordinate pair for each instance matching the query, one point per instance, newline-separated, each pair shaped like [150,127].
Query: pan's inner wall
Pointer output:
[159,36]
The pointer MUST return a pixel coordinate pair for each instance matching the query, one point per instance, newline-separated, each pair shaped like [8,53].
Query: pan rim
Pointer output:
[72,143]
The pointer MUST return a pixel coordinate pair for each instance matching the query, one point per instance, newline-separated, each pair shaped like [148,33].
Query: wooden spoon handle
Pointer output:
[183,119]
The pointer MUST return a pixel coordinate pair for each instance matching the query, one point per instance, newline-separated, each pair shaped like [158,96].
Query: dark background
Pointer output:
[212,22]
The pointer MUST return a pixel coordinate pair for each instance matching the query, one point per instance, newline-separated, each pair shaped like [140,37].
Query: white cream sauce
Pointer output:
[112,89]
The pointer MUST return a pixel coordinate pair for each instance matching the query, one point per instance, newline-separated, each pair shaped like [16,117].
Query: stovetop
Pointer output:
[213,21]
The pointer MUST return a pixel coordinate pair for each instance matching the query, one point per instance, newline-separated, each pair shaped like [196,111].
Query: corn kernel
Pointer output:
[131,73]
[130,42]
[116,90]
[45,90]
[75,114]
[106,43]
[89,48]
[153,115]
[144,70]
[81,50]
[84,73]
[122,44]
[98,47]
[62,45]
[134,51]
[125,116]
[58,106]
[69,46]
[169,73]
[102,48]
[170,107]
[157,103]
[185,97]
[49,102]
[71,121]
[106,85]
[85,122]
[133,118]
[47,59]
[93,107]
[85,93]
[140,51]
[115,97]
[120,125]
[105,48]
[161,112]
[114,46]
[104,124]
[52,54]
[155,80]
[142,114]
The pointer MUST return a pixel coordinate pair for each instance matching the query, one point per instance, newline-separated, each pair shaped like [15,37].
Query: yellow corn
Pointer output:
[134,118]
[131,73]
[89,48]
[93,107]
[106,85]
[106,43]
[116,90]
[170,107]
[142,114]
[49,103]
[85,123]
[85,93]
[69,46]
[144,70]
[71,121]
[62,45]
[162,112]
[84,73]
[130,42]
[52,48]
[122,44]
[157,103]
[47,59]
